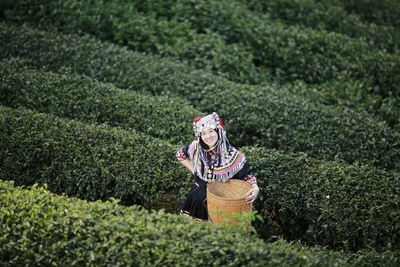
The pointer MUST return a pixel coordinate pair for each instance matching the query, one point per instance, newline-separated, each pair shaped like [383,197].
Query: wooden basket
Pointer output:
[226,199]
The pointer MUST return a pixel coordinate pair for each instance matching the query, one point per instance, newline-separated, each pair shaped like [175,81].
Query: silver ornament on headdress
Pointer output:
[211,121]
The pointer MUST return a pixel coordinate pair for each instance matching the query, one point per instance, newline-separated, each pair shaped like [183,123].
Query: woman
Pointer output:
[211,158]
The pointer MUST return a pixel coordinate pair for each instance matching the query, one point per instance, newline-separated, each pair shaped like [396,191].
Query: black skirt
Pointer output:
[195,204]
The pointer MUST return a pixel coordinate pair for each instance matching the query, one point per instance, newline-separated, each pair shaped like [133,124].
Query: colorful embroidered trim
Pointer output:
[251,179]
[180,155]
[185,212]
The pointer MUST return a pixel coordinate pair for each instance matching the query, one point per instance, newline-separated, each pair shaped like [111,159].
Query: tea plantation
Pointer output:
[97,96]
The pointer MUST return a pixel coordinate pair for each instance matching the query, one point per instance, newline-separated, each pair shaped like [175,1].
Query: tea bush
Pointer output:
[79,97]
[269,116]
[40,228]
[341,206]
[89,161]
[121,22]
[325,15]
[288,52]
[85,55]
[349,94]
[238,36]
[384,12]
[329,203]
[99,162]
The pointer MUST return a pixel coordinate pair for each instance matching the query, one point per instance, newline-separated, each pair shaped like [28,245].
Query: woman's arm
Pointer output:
[183,157]
[188,164]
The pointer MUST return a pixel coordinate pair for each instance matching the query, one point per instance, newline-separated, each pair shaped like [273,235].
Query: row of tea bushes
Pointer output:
[304,196]
[328,203]
[89,161]
[289,53]
[300,200]
[254,115]
[40,228]
[110,64]
[324,15]
[79,97]
[349,94]
[121,22]
[385,12]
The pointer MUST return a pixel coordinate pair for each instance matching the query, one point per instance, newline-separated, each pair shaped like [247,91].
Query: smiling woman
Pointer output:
[210,158]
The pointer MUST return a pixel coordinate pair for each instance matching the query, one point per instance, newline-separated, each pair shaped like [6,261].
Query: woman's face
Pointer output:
[209,136]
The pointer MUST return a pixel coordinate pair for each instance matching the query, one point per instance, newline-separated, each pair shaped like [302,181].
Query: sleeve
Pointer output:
[182,153]
[251,179]
[244,174]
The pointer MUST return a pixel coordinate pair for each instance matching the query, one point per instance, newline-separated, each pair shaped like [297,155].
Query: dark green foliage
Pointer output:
[238,38]
[317,54]
[385,12]
[85,55]
[91,162]
[122,23]
[373,258]
[228,39]
[40,228]
[289,52]
[79,97]
[98,162]
[323,15]
[267,115]
[328,203]
[349,94]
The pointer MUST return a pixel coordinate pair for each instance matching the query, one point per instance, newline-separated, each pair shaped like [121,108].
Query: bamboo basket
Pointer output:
[226,199]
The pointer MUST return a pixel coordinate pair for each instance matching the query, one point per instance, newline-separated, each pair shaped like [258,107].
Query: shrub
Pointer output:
[351,94]
[269,116]
[333,204]
[373,258]
[325,15]
[88,161]
[98,162]
[287,52]
[384,12]
[122,23]
[79,97]
[40,228]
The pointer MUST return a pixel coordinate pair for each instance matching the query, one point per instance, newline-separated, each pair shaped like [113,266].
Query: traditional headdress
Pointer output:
[211,121]
[227,162]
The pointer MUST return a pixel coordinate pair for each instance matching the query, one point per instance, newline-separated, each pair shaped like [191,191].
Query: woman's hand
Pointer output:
[252,194]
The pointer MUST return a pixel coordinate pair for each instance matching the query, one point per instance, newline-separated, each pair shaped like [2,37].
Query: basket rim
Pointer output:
[226,198]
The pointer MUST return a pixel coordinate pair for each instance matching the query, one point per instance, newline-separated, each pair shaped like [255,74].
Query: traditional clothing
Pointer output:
[222,163]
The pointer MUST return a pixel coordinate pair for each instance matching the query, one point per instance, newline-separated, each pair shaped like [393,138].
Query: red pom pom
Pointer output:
[197,119]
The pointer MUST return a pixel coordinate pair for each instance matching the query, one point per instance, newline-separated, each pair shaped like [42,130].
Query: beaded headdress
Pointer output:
[211,121]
